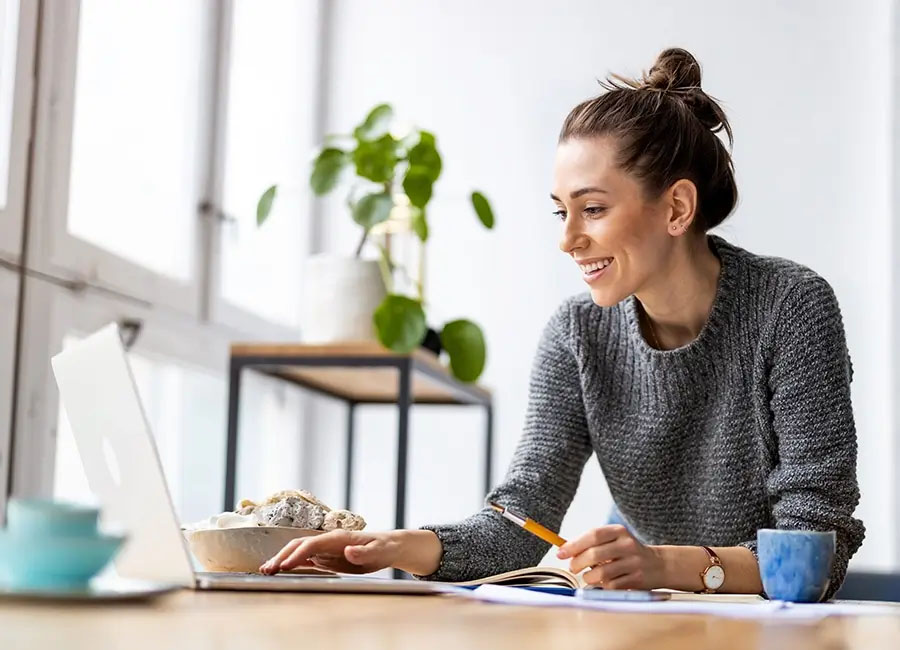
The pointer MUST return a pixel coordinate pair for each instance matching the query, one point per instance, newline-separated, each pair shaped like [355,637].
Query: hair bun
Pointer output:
[674,69]
[676,74]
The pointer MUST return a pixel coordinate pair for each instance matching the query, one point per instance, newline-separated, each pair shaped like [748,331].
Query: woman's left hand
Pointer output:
[619,560]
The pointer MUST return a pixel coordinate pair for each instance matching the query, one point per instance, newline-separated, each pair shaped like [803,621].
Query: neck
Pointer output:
[678,303]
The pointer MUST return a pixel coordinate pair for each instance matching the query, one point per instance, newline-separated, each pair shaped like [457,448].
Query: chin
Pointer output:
[606,298]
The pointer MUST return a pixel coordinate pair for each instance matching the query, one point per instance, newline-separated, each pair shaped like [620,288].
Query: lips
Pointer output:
[590,265]
[596,273]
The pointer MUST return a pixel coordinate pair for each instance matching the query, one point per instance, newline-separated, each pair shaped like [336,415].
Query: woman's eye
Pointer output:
[590,211]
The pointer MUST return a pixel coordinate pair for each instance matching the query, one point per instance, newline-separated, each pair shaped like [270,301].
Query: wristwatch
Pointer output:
[714,575]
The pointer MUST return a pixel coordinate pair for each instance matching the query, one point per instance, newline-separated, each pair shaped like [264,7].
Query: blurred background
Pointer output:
[136,137]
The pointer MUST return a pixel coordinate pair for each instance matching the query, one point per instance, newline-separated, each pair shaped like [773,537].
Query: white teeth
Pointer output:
[587,268]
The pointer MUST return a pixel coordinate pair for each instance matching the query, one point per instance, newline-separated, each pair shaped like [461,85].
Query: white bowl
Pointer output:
[242,549]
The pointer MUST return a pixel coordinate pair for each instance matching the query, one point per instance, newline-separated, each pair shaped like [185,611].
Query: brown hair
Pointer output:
[665,127]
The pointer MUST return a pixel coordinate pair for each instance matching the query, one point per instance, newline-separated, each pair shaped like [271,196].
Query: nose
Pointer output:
[572,235]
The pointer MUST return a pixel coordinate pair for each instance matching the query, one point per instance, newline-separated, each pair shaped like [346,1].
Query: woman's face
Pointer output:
[606,219]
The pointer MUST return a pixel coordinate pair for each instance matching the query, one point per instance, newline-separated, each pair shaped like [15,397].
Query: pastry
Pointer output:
[289,508]
[343,520]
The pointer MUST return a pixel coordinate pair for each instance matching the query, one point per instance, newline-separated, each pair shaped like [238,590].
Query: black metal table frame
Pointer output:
[272,364]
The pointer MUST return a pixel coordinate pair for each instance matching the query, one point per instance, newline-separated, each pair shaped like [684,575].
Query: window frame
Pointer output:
[12,228]
[52,250]
[12,215]
[76,286]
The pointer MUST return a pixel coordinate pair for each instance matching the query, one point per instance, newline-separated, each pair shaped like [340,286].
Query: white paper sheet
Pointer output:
[763,609]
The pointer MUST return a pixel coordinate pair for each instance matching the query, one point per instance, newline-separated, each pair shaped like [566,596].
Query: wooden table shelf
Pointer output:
[369,384]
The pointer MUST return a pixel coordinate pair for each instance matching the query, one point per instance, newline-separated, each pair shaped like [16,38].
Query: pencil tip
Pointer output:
[496,507]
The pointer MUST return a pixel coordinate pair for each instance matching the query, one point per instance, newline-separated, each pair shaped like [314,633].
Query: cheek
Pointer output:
[637,258]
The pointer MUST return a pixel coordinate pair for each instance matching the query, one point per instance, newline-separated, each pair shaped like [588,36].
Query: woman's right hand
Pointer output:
[351,551]
[344,551]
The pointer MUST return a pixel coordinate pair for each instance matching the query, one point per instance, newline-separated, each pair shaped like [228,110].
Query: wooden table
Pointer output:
[219,620]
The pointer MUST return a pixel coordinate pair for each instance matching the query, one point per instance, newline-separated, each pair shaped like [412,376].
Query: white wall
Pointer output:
[807,88]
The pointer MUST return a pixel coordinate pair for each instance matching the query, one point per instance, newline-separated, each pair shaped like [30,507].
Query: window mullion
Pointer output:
[212,216]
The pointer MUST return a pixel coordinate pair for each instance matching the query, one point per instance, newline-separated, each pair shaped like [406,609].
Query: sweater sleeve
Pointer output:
[812,483]
[544,473]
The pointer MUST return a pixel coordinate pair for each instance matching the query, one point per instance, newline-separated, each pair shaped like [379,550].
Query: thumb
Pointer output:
[361,554]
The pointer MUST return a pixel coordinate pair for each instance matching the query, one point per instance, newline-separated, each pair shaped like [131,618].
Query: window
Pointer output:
[138,110]
[145,110]
[269,138]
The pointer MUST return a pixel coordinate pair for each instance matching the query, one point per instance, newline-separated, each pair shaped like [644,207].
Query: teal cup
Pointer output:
[39,517]
[53,545]
[795,565]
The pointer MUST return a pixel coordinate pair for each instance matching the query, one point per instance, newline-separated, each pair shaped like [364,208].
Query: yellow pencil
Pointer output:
[530,525]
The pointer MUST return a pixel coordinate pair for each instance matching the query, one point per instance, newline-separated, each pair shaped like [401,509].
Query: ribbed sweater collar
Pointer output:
[712,333]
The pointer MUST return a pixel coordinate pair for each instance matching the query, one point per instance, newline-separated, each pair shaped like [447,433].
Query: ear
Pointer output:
[682,197]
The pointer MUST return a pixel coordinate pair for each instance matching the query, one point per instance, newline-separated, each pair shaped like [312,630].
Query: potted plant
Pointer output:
[393,173]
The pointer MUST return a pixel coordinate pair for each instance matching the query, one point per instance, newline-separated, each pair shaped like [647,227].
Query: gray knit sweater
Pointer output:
[748,426]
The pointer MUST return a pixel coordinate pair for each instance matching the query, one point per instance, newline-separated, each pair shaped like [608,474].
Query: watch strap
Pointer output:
[713,558]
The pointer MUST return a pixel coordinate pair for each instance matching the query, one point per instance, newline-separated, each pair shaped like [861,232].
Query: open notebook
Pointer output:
[546,576]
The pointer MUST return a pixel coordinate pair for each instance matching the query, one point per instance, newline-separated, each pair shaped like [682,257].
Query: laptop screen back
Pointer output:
[120,458]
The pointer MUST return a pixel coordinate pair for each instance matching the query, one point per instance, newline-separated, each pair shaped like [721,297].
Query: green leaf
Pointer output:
[483,209]
[425,155]
[417,184]
[264,205]
[327,170]
[375,160]
[464,342]
[419,223]
[372,209]
[400,323]
[376,124]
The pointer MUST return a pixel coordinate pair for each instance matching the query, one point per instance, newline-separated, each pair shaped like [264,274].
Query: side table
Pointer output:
[363,372]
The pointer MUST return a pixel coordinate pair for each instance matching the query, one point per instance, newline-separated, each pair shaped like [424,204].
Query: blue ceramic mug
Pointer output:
[795,565]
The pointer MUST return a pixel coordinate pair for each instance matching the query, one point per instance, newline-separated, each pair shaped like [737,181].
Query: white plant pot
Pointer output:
[340,295]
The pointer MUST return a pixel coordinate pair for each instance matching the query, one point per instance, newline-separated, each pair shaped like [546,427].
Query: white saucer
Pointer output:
[98,590]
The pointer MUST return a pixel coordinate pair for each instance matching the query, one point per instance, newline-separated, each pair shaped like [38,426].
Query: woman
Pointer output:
[712,384]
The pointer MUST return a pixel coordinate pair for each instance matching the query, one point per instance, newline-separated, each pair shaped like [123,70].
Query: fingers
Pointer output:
[273,564]
[595,537]
[621,547]
[298,551]
[302,555]
[361,558]
[338,565]
[610,574]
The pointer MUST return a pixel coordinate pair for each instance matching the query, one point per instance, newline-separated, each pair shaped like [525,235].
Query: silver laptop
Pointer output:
[123,469]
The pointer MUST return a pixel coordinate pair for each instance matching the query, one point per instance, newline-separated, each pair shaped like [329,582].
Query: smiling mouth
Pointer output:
[594,266]
[591,272]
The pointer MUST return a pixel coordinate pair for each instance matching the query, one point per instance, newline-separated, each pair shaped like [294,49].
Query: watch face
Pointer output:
[714,577]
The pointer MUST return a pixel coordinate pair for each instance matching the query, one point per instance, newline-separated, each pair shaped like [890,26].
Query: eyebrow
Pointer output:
[581,192]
